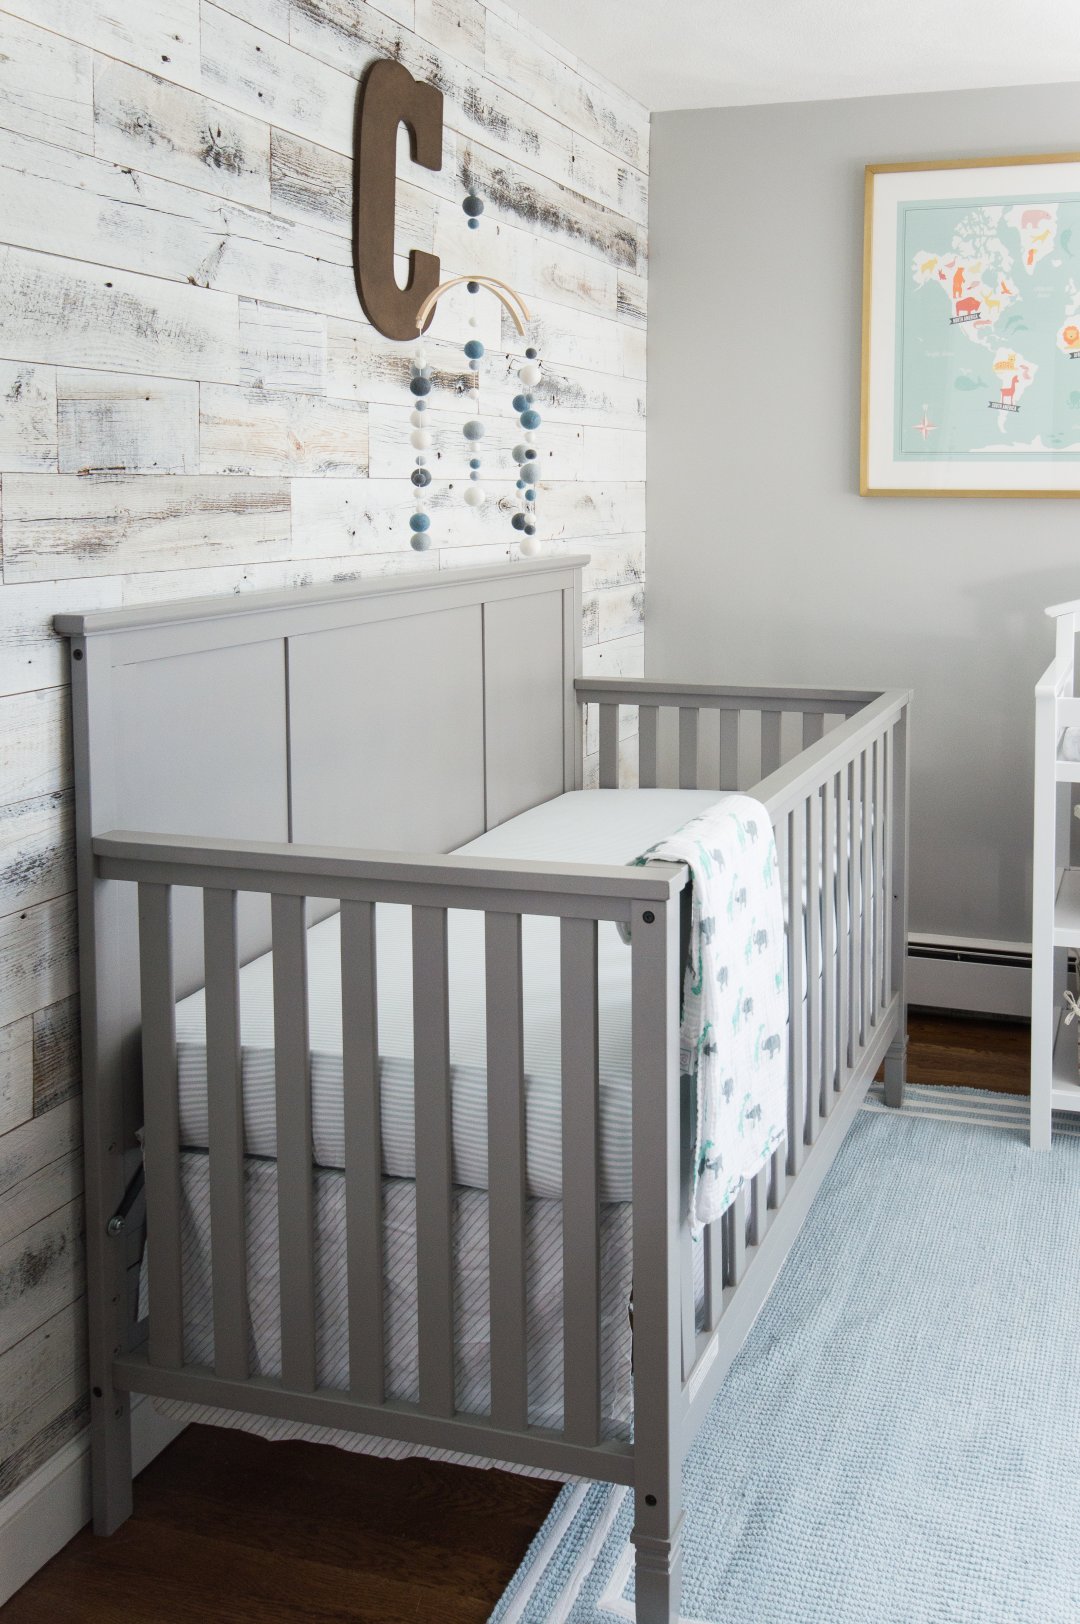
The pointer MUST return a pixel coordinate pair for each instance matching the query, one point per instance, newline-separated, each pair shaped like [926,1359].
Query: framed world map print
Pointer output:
[971,328]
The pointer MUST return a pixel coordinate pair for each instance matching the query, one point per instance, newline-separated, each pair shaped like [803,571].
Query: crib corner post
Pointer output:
[896,1056]
[657,1219]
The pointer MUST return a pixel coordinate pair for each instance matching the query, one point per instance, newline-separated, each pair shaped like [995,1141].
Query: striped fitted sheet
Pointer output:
[585,826]
[471,1299]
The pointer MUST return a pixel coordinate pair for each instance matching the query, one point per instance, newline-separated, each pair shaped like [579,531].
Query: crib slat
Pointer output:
[830,904]
[770,742]
[813,727]
[729,749]
[856,908]
[688,747]
[713,1243]
[609,747]
[814,929]
[734,1222]
[887,869]
[363,1151]
[759,1207]
[843,925]
[778,1179]
[868,893]
[647,721]
[581,1189]
[292,1066]
[796,988]
[506,1172]
[434,1186]
[880,995]
[161,1154]
[225,1105]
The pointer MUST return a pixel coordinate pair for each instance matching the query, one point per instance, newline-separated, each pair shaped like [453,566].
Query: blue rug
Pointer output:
[899,1440]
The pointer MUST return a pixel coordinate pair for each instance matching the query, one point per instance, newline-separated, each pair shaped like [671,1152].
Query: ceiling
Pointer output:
[729,53]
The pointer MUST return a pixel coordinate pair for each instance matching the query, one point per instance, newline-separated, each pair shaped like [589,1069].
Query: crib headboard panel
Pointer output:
[408,712]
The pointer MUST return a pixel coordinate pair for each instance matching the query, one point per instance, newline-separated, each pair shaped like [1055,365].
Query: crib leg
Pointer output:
[658,1577]
[896,1067]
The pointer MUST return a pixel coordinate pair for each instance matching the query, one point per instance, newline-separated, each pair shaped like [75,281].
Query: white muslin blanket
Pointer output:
[734,1033]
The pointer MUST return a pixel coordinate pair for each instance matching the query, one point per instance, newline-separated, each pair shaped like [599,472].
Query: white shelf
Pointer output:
[1067,910]
[1065,1092]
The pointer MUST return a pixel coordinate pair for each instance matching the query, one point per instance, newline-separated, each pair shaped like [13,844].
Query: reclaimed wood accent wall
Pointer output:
[192,402]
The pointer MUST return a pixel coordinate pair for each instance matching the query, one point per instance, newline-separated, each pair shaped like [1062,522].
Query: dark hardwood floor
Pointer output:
[231,1527]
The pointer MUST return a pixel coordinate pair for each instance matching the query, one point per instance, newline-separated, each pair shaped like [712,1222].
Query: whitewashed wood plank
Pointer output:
[270,15]
[55,527]
[281,348]
[611,180]
[46,84]
[37,852]
[455,27]
[112,422]
[57,1058]
[248,69]
[161,35]
[84,208]
[619,612]
[362,365]
[613,120]
[562,276]
[628,765]
[633,298]
[47,1190]
[623,658]
[582,509]
[58,310]
[40,1273]
[575,395]
[37,957]
[27,418]
[162,129]
[567,337]
[635,351]
[590,618]
[43,1393]
[16,1073]
[276,432]
[618,562]
[560,447]
[613,453]
[31,654]
[35,744]
[39,1142]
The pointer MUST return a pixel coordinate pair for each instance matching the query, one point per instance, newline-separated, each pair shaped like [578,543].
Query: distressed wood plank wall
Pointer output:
[191,402]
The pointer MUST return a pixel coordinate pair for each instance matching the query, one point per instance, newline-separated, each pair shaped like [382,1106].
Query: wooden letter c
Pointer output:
[391,96]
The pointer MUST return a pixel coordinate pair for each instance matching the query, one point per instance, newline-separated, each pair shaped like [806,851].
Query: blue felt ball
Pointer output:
[530,496]
[530,355]
[530,419]
[474,225]
[473,287]
[473,429]
[474,473]
[420,477]
[421,405]
[519,453]
[420,461]
[474,349]
[420,542]
[520,402]
[530,529]
[520,484]
[419,521]
[421,386]
[530,453]
[518,521]
[474,462]
[473,205]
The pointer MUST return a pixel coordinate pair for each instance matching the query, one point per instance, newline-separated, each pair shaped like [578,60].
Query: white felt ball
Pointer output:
[530,546]
[416,419]
[529,437]
[529,374]
[420,439]
[474,321]
[474,496]
[421,356]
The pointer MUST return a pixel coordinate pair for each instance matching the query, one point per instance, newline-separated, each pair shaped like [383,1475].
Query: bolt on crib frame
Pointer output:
[839,810]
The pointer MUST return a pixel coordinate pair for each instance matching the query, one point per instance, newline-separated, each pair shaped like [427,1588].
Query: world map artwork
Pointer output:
[988,330]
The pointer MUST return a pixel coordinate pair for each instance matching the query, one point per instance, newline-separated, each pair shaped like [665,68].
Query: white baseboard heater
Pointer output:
[962,973]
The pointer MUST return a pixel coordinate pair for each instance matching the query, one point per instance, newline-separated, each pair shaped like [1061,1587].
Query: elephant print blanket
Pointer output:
[734,1033]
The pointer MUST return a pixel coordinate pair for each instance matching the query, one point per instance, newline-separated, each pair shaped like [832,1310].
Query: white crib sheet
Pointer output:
[585,826]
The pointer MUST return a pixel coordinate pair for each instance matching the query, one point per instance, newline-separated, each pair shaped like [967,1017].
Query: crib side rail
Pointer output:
[502,891]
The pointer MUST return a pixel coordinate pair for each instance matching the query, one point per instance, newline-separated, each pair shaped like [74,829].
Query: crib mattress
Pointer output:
[471,1293]
[584,826]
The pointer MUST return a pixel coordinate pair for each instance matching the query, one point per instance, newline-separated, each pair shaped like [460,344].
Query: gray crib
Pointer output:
[248,766]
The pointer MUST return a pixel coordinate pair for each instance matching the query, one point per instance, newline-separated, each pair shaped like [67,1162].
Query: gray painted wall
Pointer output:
[765,565]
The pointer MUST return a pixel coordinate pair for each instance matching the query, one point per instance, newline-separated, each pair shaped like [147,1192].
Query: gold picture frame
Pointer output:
[886,466]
